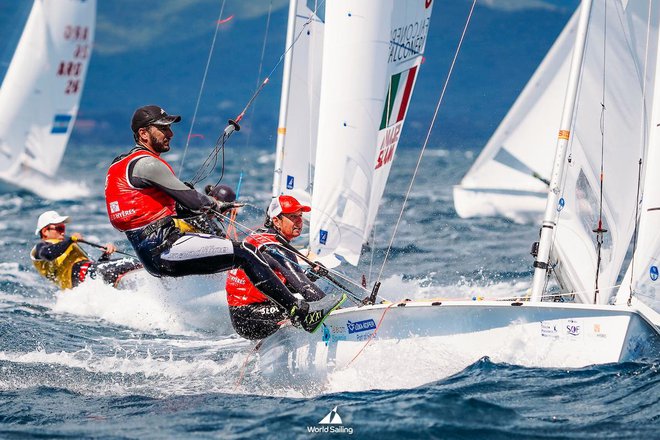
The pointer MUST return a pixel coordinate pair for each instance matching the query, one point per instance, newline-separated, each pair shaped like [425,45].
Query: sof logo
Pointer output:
[114,207]
[331,423]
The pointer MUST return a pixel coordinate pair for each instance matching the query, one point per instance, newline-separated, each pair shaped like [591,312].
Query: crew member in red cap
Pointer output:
[143,197]
[253,315]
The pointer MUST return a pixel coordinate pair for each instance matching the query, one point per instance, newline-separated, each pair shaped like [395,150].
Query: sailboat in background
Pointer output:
[510,176]
[41,91]
[570,328]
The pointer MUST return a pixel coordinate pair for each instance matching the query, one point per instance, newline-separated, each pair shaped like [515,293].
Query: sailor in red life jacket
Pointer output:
[253,315]
[143,197]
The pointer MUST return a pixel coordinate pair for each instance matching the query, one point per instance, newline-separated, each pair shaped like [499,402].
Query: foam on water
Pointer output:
[153,305]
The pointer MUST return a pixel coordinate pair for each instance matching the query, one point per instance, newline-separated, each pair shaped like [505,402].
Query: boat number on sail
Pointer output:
[653,273]
[78,35]
[360,326]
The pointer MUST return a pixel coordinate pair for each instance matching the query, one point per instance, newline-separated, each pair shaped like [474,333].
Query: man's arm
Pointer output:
[286,263]
[50,251]
[150,172]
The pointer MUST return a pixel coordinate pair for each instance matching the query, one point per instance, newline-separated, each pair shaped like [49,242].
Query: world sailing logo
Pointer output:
[331,423]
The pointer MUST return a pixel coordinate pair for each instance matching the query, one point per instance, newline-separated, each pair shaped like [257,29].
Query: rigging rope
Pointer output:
[202,173]
[201,87]
[599,230]
[426,140]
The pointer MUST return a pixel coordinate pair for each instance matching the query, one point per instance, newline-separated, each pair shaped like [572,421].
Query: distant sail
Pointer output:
[509,178]
[41,91]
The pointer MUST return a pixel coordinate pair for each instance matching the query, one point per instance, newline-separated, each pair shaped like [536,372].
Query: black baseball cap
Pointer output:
[151,115]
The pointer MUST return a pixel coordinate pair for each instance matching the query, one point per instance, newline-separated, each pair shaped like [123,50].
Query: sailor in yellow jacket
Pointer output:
[61,260]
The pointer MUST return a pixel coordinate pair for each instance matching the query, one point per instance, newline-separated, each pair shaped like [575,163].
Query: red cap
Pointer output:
[285,205]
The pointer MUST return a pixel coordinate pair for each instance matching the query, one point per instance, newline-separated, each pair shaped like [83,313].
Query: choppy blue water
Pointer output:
[95,362]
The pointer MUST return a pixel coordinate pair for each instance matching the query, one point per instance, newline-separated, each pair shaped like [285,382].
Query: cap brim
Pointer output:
[54,221]
[167,120]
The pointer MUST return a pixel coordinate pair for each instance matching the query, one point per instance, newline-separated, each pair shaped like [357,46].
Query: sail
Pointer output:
[371,56]
[641,276]
[614,77]
[507,179]
[299,104]
[41,91]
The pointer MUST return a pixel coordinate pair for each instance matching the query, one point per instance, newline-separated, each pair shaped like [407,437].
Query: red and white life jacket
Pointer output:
[240,291]
[130,207]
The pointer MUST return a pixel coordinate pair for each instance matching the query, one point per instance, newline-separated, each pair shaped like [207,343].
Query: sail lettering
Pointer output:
[72,86]
[388,145]
[69,68]
[81,51]
[408,41]
[77,33]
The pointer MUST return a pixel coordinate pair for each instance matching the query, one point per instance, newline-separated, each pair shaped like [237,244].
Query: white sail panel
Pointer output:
[299,105]
[41,90]
[507,177]
[368,44]
[642,275]
[619,71]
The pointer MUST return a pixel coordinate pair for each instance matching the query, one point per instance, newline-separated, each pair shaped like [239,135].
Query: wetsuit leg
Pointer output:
[257,321]
[110,271]
[196,254]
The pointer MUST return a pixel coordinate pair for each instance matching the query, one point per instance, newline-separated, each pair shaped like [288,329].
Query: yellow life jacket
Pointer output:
[59,270]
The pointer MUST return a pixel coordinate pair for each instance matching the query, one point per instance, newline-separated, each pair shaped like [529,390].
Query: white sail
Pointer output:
[299,105]
[641,277]
[41,90]
[507,179]
[372,50]
[613,74]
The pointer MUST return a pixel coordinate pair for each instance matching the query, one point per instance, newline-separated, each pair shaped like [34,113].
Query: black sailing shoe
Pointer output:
[310,315]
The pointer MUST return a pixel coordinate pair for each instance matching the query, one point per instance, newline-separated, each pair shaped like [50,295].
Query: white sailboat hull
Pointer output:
[419,339]
[518,205]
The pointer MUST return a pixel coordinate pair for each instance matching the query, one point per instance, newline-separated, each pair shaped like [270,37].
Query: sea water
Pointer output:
[163,362]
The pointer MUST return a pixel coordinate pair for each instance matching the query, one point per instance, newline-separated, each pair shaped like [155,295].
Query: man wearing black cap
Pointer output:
[142,194]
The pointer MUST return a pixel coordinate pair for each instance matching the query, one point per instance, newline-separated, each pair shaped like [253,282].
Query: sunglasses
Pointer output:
[162,128]
[58,228]
[293,218]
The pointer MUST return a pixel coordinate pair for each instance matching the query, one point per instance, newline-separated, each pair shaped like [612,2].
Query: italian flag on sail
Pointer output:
[398,96]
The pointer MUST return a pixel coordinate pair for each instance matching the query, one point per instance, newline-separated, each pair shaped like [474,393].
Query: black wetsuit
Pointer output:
[257,320]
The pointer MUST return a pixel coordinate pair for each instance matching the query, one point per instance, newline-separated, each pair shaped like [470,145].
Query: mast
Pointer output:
[284,100]
[551,213]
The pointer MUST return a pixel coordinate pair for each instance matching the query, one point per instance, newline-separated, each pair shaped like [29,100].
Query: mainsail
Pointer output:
[642,276]
[622,43]
[371,55]
[299,105]
[41,90]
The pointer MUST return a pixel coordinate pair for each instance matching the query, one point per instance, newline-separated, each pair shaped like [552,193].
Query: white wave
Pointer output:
[175,306]
[396,288]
